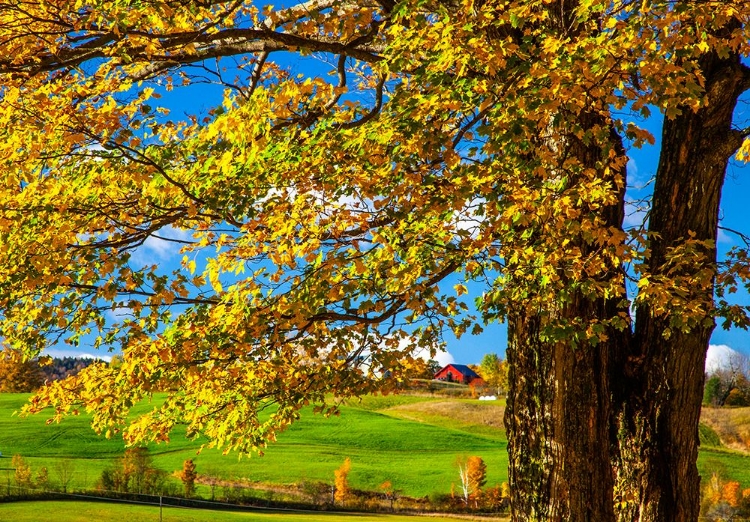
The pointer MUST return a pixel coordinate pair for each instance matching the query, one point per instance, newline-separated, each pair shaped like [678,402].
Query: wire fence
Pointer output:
[166,502]
[19,493]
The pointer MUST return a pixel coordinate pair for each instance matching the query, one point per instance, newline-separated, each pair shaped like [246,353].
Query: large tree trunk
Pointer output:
[559,413]
[572,409]
[558,418]
[661,394]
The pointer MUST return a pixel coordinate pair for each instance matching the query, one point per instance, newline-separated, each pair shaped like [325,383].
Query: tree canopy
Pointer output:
[330,216]
[494,372]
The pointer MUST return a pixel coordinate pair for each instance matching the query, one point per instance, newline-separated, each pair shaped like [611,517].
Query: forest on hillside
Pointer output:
[17,376]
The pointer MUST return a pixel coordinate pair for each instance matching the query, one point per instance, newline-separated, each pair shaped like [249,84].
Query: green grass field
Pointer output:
[397,438]
[101,512]
[413,442]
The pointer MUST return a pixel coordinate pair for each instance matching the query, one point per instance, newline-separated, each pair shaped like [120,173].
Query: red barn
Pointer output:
[459,373]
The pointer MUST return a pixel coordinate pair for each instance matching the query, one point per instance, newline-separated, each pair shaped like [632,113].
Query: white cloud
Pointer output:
[635,214]
[470,218]
[637,180]
[159,248]
[60,354]
[443,357]
[119,313]
[724,238]
[632,169]
[719,357]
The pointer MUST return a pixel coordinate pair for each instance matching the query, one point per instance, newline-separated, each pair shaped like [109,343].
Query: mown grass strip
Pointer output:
[74,511]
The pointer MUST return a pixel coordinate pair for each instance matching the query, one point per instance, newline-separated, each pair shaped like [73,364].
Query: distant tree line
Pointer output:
[19,376]
[61,368]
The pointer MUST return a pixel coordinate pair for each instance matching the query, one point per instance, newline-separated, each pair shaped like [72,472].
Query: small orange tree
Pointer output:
[477,474]
[343,491]
[473,473]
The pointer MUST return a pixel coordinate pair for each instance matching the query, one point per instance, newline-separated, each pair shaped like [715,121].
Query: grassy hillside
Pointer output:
[725,441]
[417,454]
[411,441]
[732,425]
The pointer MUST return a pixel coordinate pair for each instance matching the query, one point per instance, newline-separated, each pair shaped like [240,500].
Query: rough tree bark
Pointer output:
[557,422]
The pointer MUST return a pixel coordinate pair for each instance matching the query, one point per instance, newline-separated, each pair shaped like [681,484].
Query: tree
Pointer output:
[729,385]
[477,474]
[17,375]
[188,476]
[473,474]
[22,476]
[389,492]
[723,500]
[64,470]
[134,473]
[426,369]
[138,472]
[341,482]
[321,218]
[713,391]
[494,372]
[42,478]
[463,474]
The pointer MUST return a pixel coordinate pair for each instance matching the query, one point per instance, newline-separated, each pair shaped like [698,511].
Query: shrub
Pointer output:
[724,500]
[188,476]
[319,493]
[134,473]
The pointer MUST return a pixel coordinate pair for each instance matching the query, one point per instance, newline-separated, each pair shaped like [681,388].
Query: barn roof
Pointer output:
[463,370]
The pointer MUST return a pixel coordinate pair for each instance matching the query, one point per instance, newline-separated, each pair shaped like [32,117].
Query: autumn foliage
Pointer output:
[134,472]
[476,474]
[22,475]
[473,474]
[724,500]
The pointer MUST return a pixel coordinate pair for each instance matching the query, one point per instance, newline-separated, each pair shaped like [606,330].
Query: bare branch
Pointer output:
[373,112]
[341,69]
[257,72]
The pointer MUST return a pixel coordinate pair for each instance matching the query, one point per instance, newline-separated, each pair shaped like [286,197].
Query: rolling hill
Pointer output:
[411,441]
